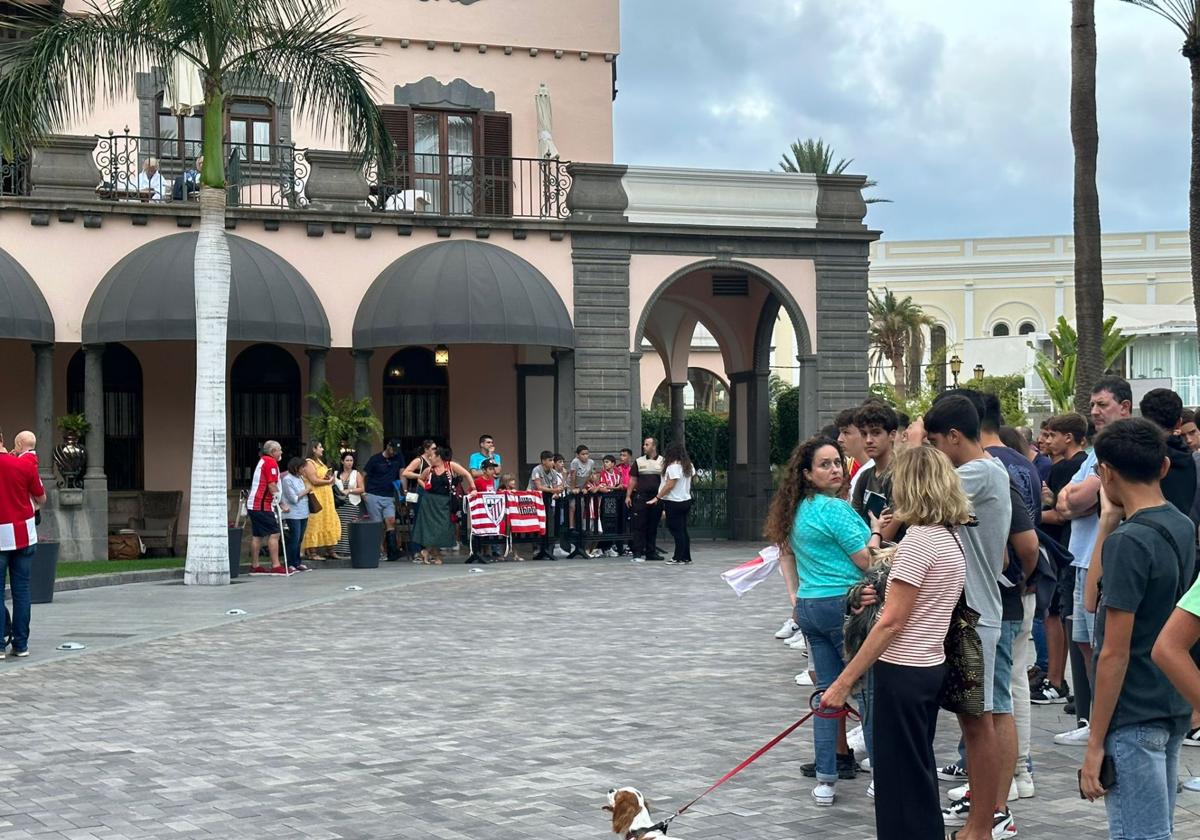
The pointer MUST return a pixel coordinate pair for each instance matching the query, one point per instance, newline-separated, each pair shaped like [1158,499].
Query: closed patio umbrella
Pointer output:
[186,91]
[545,124]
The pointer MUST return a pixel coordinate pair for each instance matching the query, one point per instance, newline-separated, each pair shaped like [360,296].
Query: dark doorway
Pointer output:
[416,399]
[264,397]
[123,443]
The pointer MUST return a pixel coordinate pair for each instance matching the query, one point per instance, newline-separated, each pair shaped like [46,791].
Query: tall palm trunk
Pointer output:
[208,539]
[1191,52]
[1089,279]
[899,374]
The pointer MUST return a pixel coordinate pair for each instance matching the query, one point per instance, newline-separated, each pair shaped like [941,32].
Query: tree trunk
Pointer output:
[1192,51]
[208,518]
[899,375]
[1089,278]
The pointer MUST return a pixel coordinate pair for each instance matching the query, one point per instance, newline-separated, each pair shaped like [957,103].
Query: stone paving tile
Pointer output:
[476,706]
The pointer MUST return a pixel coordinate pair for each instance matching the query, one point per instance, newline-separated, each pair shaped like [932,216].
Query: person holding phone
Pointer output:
[1147,551]
[878,425]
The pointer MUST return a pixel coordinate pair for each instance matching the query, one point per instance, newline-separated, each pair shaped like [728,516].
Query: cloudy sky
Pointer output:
[959,108]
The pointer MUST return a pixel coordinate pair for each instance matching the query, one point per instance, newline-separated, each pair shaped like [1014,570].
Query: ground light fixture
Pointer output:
[235,611]
[979,373]
[441,355]
[72,646]
[955,368]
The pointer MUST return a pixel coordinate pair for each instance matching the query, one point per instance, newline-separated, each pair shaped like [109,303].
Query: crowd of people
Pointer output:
[419,503]
[988,563]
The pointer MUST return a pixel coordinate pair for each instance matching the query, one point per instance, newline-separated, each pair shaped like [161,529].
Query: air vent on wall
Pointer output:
[730,285]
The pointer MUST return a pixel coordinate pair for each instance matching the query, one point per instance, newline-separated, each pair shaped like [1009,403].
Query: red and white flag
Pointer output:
[488,512]
[750,574]
[526,512]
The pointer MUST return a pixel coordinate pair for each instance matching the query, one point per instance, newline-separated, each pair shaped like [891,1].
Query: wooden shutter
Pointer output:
[397,119]
[496,164]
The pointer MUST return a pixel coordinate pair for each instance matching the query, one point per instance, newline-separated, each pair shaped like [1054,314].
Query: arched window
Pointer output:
[705,391]
[937,355]
[416,399]
[264,393]
[123,445]
[1026,328]
[999,329]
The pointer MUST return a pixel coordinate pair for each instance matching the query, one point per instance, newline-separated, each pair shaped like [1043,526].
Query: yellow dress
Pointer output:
[324,528]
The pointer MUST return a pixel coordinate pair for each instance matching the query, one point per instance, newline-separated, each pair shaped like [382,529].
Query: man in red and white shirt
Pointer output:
[21,493]
[260,507]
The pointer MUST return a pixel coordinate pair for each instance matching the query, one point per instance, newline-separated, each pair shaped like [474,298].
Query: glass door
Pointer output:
[443,163]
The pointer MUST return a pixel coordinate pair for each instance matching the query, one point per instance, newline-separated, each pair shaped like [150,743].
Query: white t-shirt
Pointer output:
[681,490]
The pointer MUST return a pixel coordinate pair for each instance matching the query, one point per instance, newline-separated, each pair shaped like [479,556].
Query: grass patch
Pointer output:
[104,567]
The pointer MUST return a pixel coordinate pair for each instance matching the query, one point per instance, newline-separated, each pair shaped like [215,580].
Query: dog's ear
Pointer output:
[625,808]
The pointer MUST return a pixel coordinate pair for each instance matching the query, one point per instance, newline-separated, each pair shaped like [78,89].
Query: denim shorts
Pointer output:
[1083,623]
[990,637]
[379,508]
[1002,702]
[1141,805]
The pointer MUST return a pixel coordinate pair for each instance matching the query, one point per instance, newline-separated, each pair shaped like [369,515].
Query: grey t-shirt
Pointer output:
[1144,575]
[985,481]
[551,480]
[581,470]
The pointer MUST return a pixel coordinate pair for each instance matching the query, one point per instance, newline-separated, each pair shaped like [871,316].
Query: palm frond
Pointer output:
[1180,13]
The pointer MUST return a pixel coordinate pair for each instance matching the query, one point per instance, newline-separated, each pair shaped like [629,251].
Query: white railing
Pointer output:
[1188,388]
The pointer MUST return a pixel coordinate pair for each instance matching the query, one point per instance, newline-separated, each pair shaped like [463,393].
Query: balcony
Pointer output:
[14,176]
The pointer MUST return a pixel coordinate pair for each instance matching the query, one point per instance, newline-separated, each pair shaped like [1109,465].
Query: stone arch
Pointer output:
[1013,313]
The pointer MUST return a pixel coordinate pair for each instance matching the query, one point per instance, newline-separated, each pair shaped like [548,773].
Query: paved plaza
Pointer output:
[436,703]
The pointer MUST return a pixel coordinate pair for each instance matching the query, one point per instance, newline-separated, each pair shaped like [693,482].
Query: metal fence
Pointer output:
[14,176]
[471,185]
[256,174]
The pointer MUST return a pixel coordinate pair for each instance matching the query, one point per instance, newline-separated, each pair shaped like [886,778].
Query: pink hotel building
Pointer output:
[540,276]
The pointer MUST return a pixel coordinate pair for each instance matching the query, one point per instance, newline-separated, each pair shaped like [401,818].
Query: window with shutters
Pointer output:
[449,163]
[249,127]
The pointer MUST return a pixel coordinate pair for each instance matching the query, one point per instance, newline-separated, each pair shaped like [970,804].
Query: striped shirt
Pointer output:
[931,559]
[265,474]
[19,485]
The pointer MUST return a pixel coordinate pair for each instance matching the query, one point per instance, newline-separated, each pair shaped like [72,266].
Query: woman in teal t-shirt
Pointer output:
[828,542]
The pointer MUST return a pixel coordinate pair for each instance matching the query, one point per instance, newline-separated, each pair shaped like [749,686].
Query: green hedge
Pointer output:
[707,435]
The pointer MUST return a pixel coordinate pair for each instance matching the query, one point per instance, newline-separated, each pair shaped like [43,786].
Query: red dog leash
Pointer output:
[815,710]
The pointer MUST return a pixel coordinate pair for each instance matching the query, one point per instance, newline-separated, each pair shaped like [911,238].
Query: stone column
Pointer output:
[93,409]
[564,400]
[841,340]
[635,395]
[43,408]
[362,388]
[678,426]
[750,461]
[809,424]
[316,380]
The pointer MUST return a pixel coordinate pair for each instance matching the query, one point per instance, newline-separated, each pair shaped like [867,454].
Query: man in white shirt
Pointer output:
[151,180]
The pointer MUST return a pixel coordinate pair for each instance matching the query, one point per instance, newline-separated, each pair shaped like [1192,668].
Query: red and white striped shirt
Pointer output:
[19,485]
[266,473]
[931,559]
[526,512]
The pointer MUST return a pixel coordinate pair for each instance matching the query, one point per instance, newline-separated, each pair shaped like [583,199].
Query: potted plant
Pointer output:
[71,456]
[340,421]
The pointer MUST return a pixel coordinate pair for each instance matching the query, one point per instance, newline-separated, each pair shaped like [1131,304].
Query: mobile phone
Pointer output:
[1108,775]
[874,503]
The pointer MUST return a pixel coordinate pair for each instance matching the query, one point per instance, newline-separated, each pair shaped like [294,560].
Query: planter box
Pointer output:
[45,571]
[235,552]
[364,544]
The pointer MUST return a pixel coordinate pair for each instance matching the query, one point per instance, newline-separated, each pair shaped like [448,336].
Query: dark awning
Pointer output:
[24,315]
[461,292]
[150,295]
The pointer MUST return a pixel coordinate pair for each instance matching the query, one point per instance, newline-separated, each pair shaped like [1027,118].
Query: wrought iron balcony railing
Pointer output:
[155,169]
[14,176]
[471,185]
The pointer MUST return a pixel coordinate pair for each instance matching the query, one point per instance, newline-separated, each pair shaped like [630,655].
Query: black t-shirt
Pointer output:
[379,475]
[1010,596]
[1060,476]
[1145,575]
[1179,484]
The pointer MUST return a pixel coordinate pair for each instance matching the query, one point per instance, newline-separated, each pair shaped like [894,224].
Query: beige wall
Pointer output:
[581,91]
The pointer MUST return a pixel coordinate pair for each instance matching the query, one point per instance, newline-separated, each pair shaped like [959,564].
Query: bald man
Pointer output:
[24,442]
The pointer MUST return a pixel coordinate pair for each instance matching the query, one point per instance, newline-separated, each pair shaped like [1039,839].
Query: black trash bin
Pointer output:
[235,552]
[364,543]
[45,571]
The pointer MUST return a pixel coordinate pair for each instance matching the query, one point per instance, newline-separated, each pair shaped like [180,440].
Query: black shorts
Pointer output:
[263,523]
[1064,593]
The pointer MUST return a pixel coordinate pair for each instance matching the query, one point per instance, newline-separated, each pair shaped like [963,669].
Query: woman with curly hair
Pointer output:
[828,547]
[905,649]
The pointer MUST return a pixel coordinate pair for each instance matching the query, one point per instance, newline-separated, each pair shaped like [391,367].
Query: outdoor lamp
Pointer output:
[978,373]
[441,355]
[955,368]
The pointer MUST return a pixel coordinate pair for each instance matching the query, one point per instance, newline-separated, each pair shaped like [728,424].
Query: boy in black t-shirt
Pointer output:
[878,424]
[1138,718]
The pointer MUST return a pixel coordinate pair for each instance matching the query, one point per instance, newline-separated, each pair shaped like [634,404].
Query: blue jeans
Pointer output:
[1141,805]
[1042,652]
[293,535]
[19,566]
[821,619]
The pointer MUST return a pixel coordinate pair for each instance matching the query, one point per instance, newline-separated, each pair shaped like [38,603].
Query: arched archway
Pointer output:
[416,399]
[705,391]
[124,463]
[264,396]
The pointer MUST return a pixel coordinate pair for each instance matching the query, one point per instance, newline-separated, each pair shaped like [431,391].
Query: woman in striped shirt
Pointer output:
[906,645]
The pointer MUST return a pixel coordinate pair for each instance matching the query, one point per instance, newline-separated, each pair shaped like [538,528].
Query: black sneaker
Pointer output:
[958,811]
[1069,709]
[1047,694]
[847,768]
[952,773]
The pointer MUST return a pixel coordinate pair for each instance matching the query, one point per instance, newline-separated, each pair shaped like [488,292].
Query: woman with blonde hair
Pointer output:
[906,648]
[324,530]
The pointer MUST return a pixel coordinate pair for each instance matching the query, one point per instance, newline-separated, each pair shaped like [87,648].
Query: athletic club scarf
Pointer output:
[526,512]
[487,512]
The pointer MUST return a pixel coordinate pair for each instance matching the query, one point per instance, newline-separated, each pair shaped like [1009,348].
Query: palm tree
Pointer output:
[814,157]
[55,76]
[1089,278]
[1058,374]
[1182,14]
[895,326]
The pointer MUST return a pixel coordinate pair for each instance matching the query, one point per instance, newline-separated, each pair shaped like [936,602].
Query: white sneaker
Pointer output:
[637,559]
[857,740]
[955,794]
[865,764]
[823,794]
[786,630]
[1192,739]
[800,645]
[1023,782]
[1074,738]
[560,552]
[594,553]
[804,679]
[612,552]
[871,789]
[796,636]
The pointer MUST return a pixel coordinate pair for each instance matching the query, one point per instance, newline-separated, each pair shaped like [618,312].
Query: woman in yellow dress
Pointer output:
[324,528]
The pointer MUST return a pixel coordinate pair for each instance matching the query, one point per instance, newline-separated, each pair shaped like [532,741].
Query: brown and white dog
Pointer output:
[630,814]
